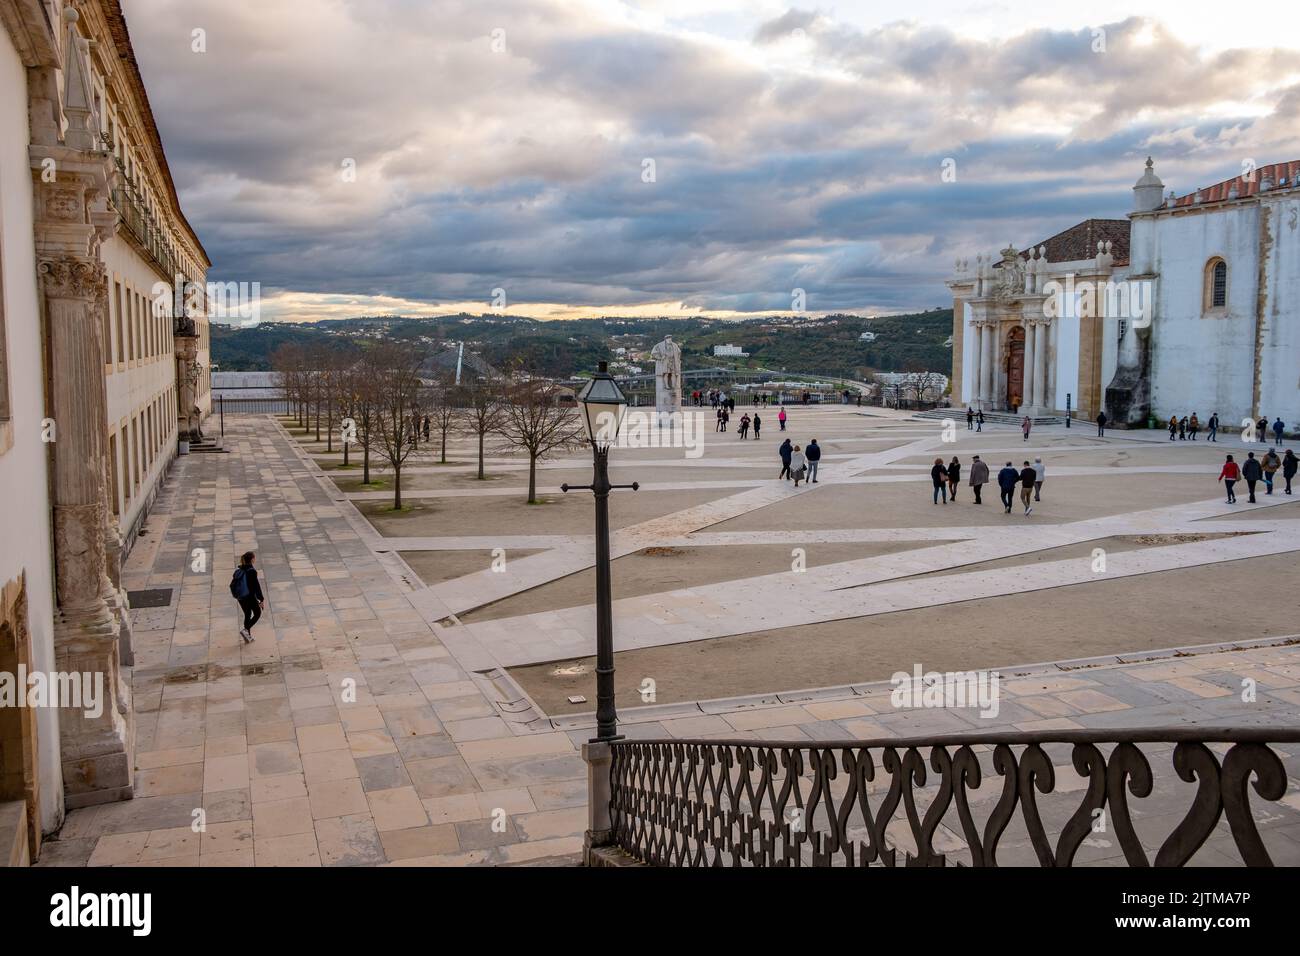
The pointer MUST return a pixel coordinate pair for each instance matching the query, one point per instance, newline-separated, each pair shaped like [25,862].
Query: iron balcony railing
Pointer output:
[142,225]
[1011,799]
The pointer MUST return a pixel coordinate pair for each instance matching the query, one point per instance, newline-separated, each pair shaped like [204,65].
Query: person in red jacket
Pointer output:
[1230,475]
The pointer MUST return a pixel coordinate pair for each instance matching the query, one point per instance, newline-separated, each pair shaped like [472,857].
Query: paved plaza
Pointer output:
[409,686]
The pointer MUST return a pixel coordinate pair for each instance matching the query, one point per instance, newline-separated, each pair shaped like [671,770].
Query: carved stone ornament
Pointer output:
[72,278]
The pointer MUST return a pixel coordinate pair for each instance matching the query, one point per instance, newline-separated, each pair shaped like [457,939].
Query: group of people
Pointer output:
[799,464]
[1029,479]
[1254,470]
[1186,428]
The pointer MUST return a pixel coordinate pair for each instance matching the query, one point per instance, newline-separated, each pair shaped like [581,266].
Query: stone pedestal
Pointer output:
[599,828]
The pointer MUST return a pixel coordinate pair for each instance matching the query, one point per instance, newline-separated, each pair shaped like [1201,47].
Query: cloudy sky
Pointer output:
[672,157]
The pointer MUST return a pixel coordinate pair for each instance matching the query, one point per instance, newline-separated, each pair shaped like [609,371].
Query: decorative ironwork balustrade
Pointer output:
[1036,798]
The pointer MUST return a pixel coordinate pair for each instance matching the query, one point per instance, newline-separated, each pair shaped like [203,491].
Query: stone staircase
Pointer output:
[1004,418]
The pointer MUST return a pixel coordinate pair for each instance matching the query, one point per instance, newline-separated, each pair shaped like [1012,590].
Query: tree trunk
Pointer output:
[480,456]
[318,417]
[397,487]
[532,479]
[365,450]
[329,432]
[444,446]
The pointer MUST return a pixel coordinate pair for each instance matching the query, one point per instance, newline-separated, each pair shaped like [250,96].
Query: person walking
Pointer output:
[1289,464]
[1173,427]
[1270,464]
[1040,475]
[785,451]
[1027,478]
[1252,472]
[718,415]
[1025,426]
[954,477]
[1278,429]
[1101,424]
[726,417]
[1261,429]
[1182,428]
[970,418]
[979,420]
[798,465]
[1214,428]
[758,423]
[247,590]
[814,454]
[1230,475]
[781,417]
[1194,426]
[979,477]
[744,426]
[939,478]
[1007,479]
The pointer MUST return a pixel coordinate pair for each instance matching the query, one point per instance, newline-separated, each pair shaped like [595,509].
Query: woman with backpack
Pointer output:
[246,589]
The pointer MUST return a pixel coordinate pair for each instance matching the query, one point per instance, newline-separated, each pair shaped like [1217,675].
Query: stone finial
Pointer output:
[1148,190]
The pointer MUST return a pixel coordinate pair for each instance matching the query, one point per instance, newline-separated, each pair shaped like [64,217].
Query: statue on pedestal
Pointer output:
[668,376]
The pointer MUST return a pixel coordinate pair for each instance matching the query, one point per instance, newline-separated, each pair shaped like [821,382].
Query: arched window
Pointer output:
[1216,284]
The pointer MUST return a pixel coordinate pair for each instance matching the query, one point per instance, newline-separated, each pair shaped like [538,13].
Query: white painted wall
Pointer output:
[24,507]
[1280,355]
[1204,363]
[1067,354]
[133,385]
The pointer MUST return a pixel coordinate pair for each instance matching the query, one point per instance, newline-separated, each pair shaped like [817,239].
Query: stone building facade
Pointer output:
[1190,304]
[98,375]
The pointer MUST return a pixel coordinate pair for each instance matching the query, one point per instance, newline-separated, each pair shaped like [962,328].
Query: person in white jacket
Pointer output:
[798,465]
[1040,475]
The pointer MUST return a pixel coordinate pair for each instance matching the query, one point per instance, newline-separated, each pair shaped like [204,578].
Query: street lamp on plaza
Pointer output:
[603,406]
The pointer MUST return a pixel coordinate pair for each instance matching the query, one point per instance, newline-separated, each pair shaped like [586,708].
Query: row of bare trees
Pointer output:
[380,402]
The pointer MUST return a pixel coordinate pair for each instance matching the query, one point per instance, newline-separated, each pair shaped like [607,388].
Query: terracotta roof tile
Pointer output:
[1080,241]
[1275,173]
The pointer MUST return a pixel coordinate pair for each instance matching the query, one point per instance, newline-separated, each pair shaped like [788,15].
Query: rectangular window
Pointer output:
[108,322]
[121,354]
[135,455]
[112,468]
[130,326]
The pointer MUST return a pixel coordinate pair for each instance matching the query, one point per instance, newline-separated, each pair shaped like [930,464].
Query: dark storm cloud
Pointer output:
[524,168]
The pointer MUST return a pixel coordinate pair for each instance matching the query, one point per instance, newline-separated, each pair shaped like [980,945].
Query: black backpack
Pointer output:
[239,584]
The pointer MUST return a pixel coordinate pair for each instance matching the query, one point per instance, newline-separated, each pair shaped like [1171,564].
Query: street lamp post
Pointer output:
[603,407]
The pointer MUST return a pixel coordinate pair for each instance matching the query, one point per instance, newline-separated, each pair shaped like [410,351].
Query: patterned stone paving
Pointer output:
[435,746]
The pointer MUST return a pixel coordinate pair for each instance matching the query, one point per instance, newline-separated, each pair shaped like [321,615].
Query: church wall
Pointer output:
[1279,357]
[24,509]
[1204,362]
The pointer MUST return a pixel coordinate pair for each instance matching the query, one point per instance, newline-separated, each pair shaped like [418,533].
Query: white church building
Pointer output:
[1191,304]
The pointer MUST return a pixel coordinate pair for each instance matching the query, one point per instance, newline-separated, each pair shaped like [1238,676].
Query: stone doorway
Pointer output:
[19,779]
[1015,368]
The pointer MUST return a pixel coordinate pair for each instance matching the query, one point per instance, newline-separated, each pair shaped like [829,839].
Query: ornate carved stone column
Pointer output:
[986,365]
[187,355]
[96,743]
[1027,380]
[1040,364]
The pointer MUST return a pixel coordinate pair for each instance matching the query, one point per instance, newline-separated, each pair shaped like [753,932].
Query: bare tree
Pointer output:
[444,413]
[482,413]
[396,394]
[533,419]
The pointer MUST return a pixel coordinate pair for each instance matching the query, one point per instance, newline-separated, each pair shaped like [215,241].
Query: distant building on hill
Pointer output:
[729,351]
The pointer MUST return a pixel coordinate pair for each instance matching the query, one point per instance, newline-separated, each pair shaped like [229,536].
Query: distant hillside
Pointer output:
[829,345]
